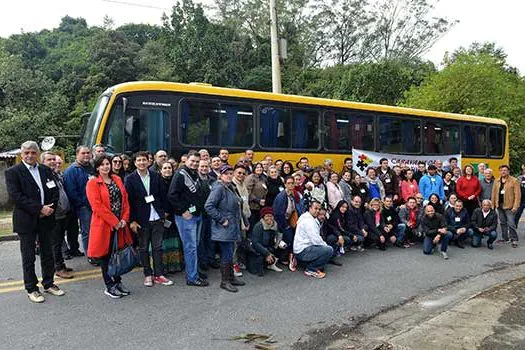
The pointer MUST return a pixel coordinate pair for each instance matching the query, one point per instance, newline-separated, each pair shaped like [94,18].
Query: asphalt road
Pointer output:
[287,305]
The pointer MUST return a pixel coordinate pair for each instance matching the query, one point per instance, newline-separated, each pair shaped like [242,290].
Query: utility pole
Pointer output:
[276,64]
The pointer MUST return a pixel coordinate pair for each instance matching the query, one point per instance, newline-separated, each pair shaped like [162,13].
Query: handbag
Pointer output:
[293,219]
[122,261]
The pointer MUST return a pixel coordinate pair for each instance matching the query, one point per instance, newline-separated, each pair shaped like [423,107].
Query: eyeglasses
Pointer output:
[243,173]
[117,161]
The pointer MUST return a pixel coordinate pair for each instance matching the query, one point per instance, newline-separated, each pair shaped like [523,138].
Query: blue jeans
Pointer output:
[400,233]
[428,244]
[189,235]
[461,238]
[315,256]
[227,249]
[206,247]
[478,237]
[84,215]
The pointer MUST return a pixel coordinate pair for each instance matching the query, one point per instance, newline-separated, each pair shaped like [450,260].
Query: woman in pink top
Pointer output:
[333,191]
[409,187]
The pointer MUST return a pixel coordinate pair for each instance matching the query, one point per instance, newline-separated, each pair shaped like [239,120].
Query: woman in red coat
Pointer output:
[468,189]
[109,202]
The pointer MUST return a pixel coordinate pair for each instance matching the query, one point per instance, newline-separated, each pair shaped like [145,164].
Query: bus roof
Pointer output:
[207,89]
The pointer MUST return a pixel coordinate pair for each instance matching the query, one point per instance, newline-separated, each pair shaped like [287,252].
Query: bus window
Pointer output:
[289,128]
[216,124]
[496,140]
[398,135]
[346,130]
[474,140]
[441,138]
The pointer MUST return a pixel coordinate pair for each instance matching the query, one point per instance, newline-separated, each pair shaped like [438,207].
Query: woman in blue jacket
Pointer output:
[224,208]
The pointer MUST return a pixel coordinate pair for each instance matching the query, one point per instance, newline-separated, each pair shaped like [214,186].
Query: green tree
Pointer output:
[477,81]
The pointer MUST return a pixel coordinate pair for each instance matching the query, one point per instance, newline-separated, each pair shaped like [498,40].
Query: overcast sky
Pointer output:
[480,20]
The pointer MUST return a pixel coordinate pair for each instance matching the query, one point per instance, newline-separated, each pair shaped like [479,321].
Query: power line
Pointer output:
[136,4]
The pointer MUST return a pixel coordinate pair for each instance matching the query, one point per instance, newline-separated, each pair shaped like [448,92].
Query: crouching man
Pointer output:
[308,246]
[434,228]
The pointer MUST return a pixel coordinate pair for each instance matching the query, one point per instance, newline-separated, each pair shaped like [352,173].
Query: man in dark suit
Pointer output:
[35,194]
[147,201]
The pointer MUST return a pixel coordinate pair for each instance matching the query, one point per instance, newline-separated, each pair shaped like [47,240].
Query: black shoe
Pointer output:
[235,282]
[459,245]
[229,287]
[123,290]
[76,253]
[67,257]
[203,276]
[490,246]
[68,269]
[335,262]
[198,283]
[215,265]
[113,293]
[93,262]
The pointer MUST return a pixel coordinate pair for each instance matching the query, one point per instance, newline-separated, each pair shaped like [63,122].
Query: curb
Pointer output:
[6,238]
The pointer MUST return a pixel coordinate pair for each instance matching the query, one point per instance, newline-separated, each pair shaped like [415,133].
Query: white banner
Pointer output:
[365,159]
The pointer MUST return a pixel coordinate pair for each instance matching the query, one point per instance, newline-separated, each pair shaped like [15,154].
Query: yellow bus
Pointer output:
[178,117]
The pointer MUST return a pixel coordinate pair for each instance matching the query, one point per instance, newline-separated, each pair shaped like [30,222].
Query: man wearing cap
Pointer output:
[187,196]
[431,183]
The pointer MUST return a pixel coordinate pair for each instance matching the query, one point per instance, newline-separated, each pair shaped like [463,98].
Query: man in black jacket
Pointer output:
[434,228]
[147,202]
[484,223]
[35,194]
[356,223]
[389,179]
[187,197]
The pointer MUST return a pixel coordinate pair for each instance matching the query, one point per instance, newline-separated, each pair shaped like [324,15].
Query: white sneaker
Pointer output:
[274,267]
[36,297]
[444,255]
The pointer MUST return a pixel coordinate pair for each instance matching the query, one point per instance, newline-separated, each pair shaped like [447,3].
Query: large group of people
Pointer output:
[206,212]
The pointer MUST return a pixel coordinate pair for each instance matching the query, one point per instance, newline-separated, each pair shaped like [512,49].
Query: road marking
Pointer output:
[14,286]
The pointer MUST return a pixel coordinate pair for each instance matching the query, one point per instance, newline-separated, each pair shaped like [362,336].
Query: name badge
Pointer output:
[265,187]
[432,179]
[445,188]
[167,223]
[363,190]
[389,218]
[51,184]
[149,199]
[457,219]
[91,177]
[502,191]
[281,188]
[411,186]
[387,181]
[192,209]
[523,181]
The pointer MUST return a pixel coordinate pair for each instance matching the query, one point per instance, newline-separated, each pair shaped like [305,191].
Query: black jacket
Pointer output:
[139,209]
[390,181]
[430,226]
[275,186]
[478,221]
[374,231]
[25,194]
[355,220]
[389,217]
[187,192]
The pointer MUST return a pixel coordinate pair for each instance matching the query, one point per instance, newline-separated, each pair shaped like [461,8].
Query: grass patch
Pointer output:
[6,231]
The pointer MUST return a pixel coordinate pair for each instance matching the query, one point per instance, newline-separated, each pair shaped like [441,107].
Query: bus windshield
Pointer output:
[93,122]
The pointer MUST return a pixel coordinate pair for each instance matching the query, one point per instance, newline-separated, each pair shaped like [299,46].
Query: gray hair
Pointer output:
[30,145]
[44,154]
[487,201]
[488,170]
